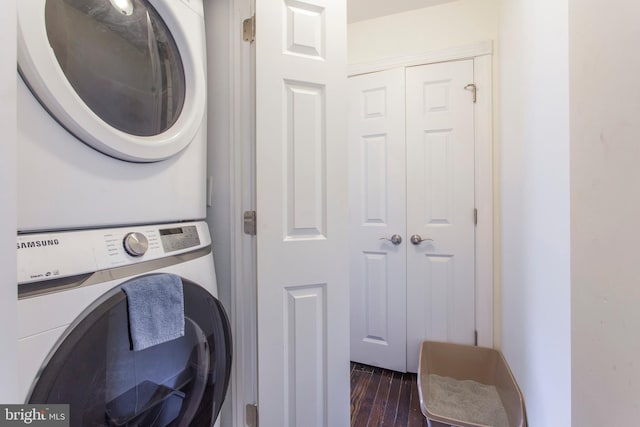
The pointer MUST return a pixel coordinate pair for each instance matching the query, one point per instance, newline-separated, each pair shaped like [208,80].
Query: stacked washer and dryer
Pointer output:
[111,193]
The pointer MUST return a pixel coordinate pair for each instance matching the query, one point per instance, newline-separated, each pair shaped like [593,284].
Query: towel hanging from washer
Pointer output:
[155,304]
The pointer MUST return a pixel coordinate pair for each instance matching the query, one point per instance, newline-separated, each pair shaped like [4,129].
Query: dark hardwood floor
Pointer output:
[384,398]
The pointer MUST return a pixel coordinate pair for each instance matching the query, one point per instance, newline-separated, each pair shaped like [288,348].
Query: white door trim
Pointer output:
[481,53]
[482,67]
[469,51]
[244,385]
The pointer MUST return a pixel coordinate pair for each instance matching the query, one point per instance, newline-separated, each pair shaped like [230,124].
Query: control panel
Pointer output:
[174,239]
[46,256]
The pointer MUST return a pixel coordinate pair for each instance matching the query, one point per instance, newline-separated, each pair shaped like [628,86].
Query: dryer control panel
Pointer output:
[46,256]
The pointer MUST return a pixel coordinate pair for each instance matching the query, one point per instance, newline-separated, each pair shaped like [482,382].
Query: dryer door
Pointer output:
[178,383]
[125,76]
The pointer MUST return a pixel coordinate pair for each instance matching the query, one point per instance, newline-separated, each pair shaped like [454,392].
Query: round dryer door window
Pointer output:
[181,382]
[124,76]
[134,81]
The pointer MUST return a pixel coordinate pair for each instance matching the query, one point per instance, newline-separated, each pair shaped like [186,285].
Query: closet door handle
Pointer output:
[416,239]
[396,239]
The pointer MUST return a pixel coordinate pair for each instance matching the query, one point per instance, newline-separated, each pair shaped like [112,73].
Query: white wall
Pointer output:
[605,211]
[217,14]
[361,10]
[536,301]
[219,165]
[8,289]
[448,25]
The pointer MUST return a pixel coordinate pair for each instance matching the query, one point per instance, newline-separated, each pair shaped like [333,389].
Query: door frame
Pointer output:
[240,185]
[243,317]
[482,55]
[244,392]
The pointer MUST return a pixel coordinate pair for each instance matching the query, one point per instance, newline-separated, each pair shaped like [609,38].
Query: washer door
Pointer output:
[179,383]
[124,76]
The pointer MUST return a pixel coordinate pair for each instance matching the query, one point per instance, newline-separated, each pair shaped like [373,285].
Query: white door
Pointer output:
[440,189]
[377,213]
[301,174]
[412,173]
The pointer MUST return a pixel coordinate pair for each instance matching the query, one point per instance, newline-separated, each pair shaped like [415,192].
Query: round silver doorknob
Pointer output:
[416,239]
[396,239]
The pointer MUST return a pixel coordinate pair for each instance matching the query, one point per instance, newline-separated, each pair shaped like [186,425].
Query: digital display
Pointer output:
[171,231]
[174,239]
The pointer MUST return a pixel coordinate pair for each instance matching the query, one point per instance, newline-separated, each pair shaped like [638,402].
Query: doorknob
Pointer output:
[416,239]
[396,239]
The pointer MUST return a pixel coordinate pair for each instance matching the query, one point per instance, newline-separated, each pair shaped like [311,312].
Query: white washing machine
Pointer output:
[111,113]
[75,326]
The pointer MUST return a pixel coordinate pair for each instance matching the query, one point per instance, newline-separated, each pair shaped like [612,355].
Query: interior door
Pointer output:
[412,174]
[440,190]
[377,219]
[301,174]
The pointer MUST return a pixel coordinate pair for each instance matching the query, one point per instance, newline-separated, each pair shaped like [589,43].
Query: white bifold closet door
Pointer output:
[377,212]
[301,204]
[412,175]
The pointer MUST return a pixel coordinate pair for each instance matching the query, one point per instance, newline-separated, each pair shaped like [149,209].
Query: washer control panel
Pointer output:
[176,238]
[45,256]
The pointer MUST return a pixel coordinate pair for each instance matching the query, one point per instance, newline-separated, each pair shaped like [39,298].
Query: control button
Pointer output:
[136,244]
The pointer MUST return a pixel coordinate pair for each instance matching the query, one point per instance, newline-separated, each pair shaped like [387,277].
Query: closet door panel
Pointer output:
[377,212]
[440,206]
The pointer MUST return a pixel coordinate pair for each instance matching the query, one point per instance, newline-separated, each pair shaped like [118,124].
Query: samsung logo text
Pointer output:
[38,243]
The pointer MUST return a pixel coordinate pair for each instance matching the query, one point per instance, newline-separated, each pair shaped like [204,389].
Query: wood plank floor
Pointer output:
[384,398]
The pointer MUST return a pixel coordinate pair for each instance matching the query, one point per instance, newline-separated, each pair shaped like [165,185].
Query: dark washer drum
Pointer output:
[179,383]
[121,59]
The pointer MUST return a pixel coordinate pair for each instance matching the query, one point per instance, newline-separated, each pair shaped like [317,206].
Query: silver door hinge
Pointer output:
[475,216]
[472,87]
[251,415]
[249,222]
[249,29]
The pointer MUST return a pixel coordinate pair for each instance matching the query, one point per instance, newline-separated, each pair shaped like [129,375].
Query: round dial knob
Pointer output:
[136,244]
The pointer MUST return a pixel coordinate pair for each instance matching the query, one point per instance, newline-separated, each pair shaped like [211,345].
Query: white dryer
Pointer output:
[111,113]
[74,326]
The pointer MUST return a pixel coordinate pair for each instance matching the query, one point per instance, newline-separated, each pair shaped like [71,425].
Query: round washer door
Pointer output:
[126,77]
[181,382]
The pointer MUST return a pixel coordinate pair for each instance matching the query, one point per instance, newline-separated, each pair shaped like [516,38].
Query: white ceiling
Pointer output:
[360,10]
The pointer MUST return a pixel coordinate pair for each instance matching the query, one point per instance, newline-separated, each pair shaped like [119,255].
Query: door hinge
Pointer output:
[472,87]
[249,29]
[251,415]
[475,338]
[475,216]
[249,222]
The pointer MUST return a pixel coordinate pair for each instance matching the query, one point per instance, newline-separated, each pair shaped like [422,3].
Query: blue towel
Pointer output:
[156,309]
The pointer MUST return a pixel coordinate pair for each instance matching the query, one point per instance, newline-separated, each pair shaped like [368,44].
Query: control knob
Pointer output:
[136,244]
